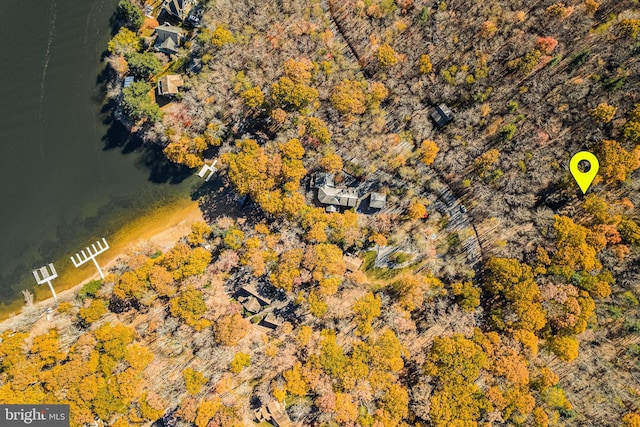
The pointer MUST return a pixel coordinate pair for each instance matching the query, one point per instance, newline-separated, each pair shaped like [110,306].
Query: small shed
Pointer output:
[377,200]
[128,81]
[352,263]
[169,84]
[441,115]
[331,209]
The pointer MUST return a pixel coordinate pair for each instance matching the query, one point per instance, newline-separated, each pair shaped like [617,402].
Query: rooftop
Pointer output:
[178,8]
[338,196]
[441,115]
[377,200]
[169,84]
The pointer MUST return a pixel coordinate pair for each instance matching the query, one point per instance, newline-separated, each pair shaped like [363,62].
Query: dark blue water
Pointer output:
[67,174]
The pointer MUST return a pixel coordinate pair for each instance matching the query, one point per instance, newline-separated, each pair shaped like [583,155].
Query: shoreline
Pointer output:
[160,227]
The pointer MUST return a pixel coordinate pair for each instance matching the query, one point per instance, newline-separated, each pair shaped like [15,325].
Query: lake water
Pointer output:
[67,175]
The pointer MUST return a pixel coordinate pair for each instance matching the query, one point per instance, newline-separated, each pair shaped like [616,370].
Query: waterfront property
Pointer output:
[178,8]
[168,85]
[168,39]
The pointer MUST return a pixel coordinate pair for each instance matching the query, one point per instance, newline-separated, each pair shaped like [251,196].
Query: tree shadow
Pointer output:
[161,170]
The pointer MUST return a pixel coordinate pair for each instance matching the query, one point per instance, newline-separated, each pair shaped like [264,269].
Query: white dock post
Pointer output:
[92,252]
[208,170]
[42,275]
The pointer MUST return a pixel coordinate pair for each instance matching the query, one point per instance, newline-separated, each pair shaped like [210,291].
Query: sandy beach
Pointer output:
[159,229]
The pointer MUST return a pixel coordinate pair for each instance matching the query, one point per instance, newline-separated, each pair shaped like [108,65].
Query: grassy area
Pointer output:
[382,273]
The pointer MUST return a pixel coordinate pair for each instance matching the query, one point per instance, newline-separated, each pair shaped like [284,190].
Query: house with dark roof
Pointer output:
[441,115]
[168,39]
[250,290]
[322,179]
[178,8]
[251,304]
[270,321]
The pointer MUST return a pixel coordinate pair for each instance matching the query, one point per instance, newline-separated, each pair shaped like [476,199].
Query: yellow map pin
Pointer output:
[584,179]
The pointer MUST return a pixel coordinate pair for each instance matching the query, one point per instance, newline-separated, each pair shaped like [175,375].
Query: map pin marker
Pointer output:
[584,179]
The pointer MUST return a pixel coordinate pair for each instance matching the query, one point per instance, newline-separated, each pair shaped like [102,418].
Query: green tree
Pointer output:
[124,42]
[138,105]
[129,15]
[143,65]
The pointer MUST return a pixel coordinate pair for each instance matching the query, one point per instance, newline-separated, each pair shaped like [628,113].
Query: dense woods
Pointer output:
[506,297]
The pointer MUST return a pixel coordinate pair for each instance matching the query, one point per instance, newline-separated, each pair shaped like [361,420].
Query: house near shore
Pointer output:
[168,39]
[441,115]
[168,85]
[179,9]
